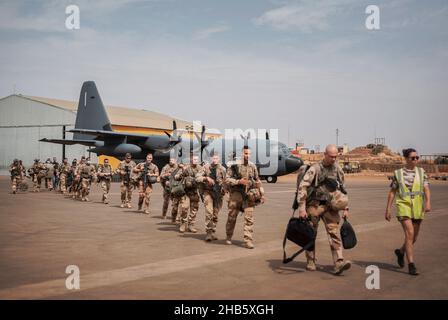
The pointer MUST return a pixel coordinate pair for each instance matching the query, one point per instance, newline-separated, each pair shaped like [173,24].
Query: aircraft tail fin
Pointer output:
[91,112]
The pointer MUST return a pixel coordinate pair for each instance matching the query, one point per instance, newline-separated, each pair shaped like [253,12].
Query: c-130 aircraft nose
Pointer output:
[292,164]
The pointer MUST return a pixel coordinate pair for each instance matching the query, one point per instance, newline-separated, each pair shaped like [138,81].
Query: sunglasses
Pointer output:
[414,158]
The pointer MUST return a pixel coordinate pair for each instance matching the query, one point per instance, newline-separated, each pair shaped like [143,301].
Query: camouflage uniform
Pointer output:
[176,200]
[22,171]
[313,197]
[145,190]
[56,177]
[87,174]
[75,180]
[15,171]
[243,198]
[105,173]
[125,185]
[49,176]
[38,171]
[213,195]
[64,171]
[167,170]
[191,198]
[77,183]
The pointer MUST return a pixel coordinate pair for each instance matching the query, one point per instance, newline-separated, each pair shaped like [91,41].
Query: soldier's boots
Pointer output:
[341,266]
[183,227]
[249,244]
[146,211]
[192,229]
[311,265]
[140,204]
[122,205]
[129,205]
[229,241]
[214,237]
[106,201]
[208,237]
[86,199]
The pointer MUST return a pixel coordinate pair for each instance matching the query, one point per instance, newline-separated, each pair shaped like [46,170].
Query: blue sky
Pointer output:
[308,65]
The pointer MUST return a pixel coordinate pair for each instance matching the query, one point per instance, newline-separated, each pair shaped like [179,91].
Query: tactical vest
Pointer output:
[65,169]
[86,171]
[242,171]
[148,169]
[127,169]
[410,203]
[106,169]
[15,171]
[215,173]
[326,180]
[189,180]
[167,170]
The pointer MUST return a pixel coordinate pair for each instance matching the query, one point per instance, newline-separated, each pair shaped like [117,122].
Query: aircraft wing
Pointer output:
[102,134]
[89,143]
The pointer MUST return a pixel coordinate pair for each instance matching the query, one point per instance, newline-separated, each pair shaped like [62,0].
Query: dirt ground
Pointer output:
[123,254]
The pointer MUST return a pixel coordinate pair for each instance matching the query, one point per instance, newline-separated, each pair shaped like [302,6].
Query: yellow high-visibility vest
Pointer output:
[410,203]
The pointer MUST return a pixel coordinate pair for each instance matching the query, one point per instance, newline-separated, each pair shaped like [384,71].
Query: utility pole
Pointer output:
[63,145]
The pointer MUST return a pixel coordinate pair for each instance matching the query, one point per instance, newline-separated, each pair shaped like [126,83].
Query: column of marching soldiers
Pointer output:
[184,185]
[320,194]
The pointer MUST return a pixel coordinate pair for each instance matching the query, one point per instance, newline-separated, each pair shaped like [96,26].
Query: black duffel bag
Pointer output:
[348,235]
[301,233]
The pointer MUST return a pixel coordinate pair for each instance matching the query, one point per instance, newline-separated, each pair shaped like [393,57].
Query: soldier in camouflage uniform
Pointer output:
[87,174]
[315,195]
[50,174]
[56,177]
[128,180]
[167,170]
[246,192]
[147,172]
[15,171]
[190,201]
[104,174]
[37,171]
[71,178]
[212,177]
[22,171]
[176,200]
[64,171]
[77,182]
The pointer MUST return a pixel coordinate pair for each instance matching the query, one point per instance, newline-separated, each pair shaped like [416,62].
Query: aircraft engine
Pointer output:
[127,147]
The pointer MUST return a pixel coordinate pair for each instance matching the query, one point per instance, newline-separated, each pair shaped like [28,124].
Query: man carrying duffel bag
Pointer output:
[321,195]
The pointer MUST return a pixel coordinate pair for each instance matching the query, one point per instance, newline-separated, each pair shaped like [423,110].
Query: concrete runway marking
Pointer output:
[53,288]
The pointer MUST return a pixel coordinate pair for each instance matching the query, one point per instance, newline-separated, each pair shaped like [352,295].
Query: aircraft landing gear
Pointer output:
[271,179]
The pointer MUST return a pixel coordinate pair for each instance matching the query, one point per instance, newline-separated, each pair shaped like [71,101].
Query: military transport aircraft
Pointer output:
[93,129]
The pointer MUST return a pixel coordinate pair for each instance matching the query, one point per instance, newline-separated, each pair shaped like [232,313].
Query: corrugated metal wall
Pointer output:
[23,122]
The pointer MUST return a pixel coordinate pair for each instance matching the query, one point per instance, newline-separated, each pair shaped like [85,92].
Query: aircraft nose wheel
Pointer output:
[271,179]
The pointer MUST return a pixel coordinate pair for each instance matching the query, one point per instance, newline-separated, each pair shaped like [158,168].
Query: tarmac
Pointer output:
[124,254]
